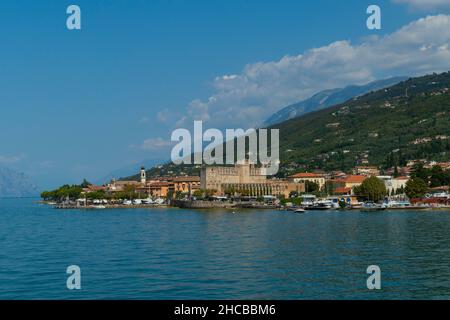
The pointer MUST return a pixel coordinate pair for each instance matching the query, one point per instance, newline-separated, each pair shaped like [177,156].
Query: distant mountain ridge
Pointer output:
[129,170]
[16,184]
[328,98]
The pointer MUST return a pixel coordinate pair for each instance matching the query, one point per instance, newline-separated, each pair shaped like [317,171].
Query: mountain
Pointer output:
[129,170]
[406,121]
[16,184]
[329,98]
[410,120]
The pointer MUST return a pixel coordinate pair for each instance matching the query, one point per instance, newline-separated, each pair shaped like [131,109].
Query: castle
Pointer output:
[245,177]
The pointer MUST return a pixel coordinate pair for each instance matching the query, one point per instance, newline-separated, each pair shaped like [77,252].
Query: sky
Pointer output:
[81,103]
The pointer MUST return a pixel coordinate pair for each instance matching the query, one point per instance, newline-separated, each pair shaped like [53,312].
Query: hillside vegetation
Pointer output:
[410,120]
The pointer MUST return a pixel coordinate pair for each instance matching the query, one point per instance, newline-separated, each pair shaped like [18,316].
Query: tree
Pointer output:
[311,187]
[439,177]
[396,172]
[372,189]
[198,194]
[416,188]
[85,184]
[421,172]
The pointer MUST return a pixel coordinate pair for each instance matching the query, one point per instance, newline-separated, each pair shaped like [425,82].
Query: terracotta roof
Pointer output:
[187,179]
[307,175]
[343,190]
[160,184]
[402,178]
[121,182]
[354,179]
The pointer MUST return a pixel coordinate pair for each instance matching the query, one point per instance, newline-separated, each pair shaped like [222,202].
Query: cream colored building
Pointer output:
[245,177]
[317,178]
[367,171]
[394,184]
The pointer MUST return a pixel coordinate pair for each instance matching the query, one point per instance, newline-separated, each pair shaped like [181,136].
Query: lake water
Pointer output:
[186,254]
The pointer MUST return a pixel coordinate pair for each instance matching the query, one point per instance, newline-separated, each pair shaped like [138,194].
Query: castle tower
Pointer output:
[143,175]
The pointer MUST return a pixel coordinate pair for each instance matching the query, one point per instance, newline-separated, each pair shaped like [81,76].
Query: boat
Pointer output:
[370,206]
[300,210]
[321,205]
[98,207]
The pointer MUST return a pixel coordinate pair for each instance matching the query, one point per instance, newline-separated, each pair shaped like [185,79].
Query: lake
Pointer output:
[187,254]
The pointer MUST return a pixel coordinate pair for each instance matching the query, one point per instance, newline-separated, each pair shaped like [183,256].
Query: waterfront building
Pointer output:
[120,185]
[245,178]
[186,184]
[367,171]
[317,178]
[394,184]
[158,189]
[161,187]
[347,184]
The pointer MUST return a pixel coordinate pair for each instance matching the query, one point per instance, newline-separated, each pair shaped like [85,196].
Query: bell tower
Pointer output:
[143,175]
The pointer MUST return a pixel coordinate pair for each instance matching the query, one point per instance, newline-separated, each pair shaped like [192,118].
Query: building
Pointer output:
[143,176]
[394,184]
[245,178]
[119,185]
[317,178]
[186,184]
[158,189]
[347,184]
[161,187]
[368,171]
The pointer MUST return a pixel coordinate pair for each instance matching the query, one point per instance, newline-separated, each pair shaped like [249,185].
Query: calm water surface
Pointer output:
[184,254]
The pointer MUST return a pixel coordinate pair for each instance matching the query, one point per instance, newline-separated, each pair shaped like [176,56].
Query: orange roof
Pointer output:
[307,175]
[159,184]
[342,190]
[402,178]
[354,179]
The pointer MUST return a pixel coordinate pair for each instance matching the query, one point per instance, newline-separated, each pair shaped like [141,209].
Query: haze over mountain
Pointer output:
[16,184]
[129,170]
[328,98]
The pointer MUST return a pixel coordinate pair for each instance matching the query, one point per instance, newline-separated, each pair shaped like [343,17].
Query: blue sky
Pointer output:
[78,104]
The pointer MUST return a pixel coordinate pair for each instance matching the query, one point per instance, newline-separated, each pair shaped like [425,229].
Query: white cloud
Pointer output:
[248,98]
[425,4]
[155,144]
[6,160]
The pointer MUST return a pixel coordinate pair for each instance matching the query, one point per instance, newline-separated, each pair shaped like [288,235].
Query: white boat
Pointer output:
[300,210]
[147,201]
[98,207]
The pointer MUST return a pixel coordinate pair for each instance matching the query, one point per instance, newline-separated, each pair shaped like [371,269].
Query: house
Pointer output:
[347,184]
[118,185]
[394,184]
[186,184]
[317,178]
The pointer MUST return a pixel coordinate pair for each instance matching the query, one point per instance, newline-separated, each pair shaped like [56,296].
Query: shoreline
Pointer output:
[225,206]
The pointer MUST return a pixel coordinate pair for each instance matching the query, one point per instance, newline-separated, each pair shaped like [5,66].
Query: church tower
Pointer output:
[143,175]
